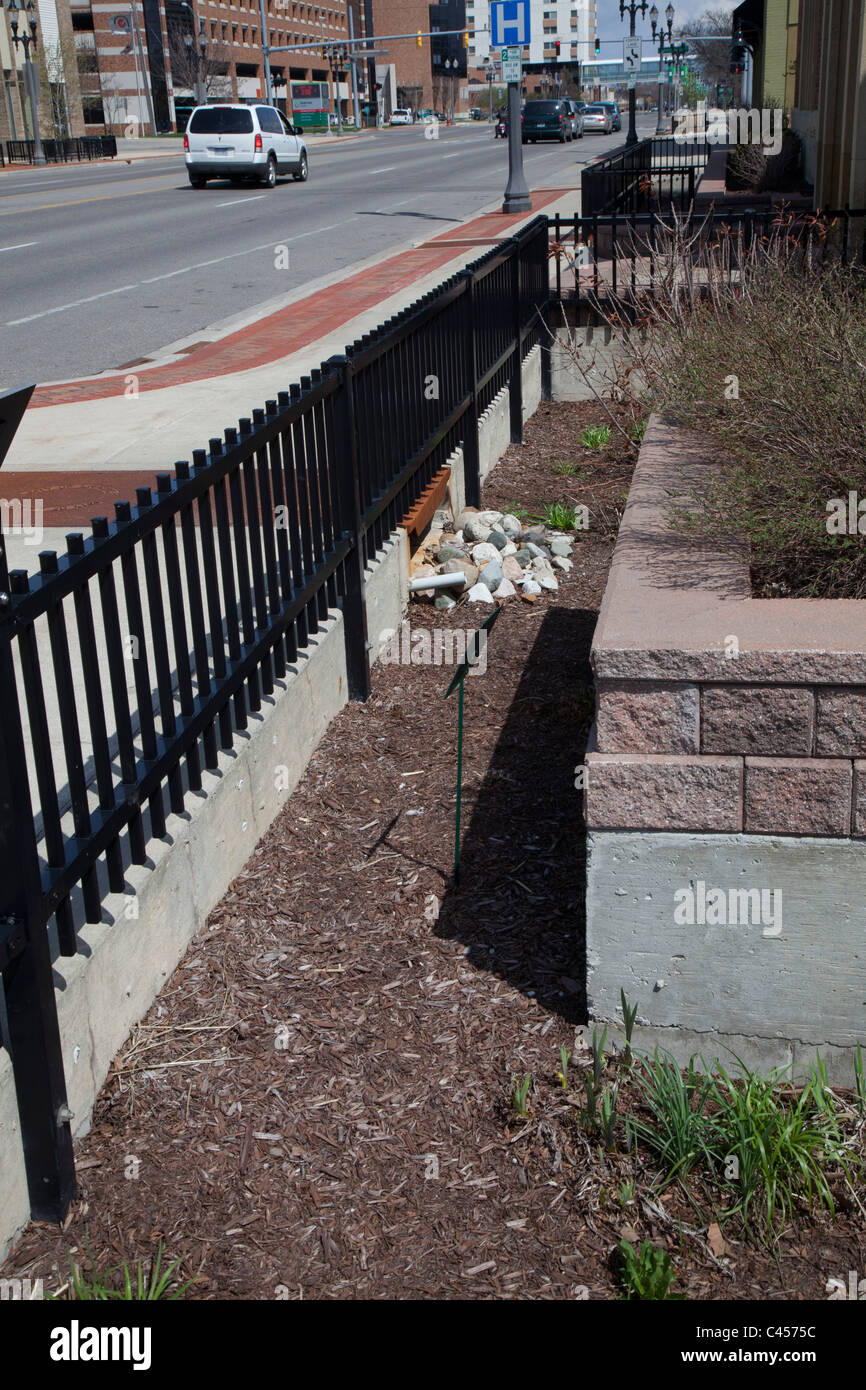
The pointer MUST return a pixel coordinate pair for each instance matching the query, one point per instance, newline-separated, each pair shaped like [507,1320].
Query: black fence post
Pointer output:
[349,492]
[515,382]
[25,958]
[471,451]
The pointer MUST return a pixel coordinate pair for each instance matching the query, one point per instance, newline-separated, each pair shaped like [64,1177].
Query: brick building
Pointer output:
[136,70]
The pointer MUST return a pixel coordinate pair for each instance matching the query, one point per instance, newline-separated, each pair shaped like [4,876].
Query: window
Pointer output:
[269,120]
[221,120]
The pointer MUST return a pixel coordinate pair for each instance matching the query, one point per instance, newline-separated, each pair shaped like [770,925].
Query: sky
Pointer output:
[610,26]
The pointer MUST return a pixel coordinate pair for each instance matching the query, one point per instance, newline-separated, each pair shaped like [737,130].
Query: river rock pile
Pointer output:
[500,557]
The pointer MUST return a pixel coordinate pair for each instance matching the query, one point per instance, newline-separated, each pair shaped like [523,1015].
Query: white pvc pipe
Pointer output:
[437,581]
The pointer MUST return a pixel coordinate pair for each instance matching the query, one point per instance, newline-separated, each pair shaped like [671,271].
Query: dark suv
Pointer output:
[547,120]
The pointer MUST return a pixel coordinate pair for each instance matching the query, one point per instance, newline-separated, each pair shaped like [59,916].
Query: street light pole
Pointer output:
[31,76]
[661,124]
[632,7]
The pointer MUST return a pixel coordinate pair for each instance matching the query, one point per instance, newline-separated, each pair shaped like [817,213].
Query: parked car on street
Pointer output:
[576,119]
[243,142]
[547,120]
[401,116]
[597,118]
[616,118]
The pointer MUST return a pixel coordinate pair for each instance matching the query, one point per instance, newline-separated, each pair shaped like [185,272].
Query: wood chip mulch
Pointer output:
[319,1101]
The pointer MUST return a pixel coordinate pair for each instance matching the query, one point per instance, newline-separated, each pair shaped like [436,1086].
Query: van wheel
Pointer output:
[269,177]
[302,172]
[197,180]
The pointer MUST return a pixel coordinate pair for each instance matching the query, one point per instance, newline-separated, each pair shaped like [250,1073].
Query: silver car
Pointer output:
[237,142]
[597,118]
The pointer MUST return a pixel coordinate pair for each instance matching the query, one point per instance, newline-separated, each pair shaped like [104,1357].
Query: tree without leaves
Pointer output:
[188,66]
[712,59]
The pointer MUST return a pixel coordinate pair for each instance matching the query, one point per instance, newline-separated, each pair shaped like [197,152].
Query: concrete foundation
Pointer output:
[786,977]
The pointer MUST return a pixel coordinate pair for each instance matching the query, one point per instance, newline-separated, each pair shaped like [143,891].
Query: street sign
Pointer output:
[632,84]
[509,22]
[631,55]
[512,68]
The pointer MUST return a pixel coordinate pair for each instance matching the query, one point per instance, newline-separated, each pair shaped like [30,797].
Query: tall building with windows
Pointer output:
[571,22]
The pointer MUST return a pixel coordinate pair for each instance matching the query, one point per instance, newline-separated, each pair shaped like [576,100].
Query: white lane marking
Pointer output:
[234,202]
[169,275]
[454,156]
[13,323]
[20,246]
[387,170]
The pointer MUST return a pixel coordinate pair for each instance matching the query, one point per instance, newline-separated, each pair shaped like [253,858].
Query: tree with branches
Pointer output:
[193,63]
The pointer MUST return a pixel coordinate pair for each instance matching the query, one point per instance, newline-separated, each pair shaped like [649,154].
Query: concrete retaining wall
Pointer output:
[739,721]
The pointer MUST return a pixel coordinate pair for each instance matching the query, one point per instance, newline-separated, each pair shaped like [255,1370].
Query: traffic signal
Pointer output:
[597,46]
[738,57]
[419,42]
[324,54]
[558,47]
[465,38]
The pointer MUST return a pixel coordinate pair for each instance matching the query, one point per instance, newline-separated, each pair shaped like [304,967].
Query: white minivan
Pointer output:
[243,142]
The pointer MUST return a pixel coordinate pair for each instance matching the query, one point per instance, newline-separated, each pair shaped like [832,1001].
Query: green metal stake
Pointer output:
[477,641]
[459,782]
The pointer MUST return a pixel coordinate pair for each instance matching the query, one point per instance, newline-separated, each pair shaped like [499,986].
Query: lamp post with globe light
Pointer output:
[632,8]
[654,17]
[31,77]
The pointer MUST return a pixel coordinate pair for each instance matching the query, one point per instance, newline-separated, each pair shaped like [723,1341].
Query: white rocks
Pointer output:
[484,552]
[506,590]
[547,581]
[510,525]
[561,562]
[530,586]
[509,549]
[489,518]
[475,530]
[560,546]
[479,593]
[541,565]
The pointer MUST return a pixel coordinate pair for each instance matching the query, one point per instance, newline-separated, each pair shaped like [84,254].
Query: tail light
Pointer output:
[258,144]
[186,142]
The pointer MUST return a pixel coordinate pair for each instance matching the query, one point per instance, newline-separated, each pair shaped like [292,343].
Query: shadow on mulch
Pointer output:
[520,905]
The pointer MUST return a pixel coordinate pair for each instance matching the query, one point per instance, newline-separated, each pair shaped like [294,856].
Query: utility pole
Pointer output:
[356,108]
[266,54]
[146,76]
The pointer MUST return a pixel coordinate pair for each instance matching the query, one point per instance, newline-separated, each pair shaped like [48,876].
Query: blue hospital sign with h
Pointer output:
[509,23]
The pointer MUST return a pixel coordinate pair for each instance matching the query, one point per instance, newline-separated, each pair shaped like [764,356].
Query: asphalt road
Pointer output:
[105,264]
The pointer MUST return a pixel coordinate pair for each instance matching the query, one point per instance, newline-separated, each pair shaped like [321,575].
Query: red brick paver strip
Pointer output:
[292,328]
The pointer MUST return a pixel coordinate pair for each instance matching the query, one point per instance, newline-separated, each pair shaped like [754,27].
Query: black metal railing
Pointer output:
[82,147]
[213,583]
[609,256]
[655,174]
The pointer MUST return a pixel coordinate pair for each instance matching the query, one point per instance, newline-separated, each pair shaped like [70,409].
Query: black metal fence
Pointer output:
[598,257]
[656,173]
[83,147]
[214,581]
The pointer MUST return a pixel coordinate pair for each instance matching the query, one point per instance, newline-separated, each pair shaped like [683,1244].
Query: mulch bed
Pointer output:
[320,1098]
